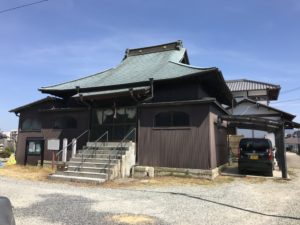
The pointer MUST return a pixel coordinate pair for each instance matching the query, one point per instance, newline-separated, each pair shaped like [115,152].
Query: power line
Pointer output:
[290,90]
[288,100]
[22,6]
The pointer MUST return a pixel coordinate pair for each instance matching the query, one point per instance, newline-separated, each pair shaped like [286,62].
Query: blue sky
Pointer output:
[61,40]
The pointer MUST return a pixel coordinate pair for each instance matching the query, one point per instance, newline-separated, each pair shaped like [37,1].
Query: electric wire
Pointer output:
[22,6]
[290,90]
[287,100]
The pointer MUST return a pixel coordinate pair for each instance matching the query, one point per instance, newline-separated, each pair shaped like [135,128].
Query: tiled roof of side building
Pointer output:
[46,99]
[247,85]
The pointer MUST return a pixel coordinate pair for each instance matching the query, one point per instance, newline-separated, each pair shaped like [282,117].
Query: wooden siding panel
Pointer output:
[169,147]
[219,149]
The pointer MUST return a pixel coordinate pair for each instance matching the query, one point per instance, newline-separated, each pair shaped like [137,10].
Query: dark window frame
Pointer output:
[69,122]
[170,119]
[31,122]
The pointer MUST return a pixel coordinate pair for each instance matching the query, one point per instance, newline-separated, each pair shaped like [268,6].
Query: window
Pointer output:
[65,122]
[34,147]
[31,124]
[172,119]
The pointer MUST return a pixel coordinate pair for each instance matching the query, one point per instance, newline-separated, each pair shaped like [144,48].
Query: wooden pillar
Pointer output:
[281,151]
[284,166]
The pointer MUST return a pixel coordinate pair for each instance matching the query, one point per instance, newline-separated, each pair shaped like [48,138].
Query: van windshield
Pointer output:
[258,145]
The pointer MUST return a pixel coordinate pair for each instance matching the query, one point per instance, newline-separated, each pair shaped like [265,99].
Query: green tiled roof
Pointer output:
[135,69]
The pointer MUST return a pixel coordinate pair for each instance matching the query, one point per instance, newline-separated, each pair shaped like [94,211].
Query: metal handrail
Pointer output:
[121,145]
[60,152]
[105,133]
[124,139]
[95,146]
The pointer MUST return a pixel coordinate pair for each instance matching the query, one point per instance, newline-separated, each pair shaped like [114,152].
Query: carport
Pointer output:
[272,126]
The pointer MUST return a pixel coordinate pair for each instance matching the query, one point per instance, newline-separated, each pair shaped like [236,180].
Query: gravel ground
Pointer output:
[242,201]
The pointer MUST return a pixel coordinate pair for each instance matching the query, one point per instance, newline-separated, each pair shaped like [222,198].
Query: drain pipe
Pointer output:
[89,109]
[138,114]
[147,99]
[152,91]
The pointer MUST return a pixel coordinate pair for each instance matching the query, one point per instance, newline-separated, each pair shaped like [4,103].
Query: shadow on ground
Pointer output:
[76,210]
[233,171]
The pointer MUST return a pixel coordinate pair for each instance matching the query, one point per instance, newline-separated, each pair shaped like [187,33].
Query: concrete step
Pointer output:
[90,164]
[109,144]
[83,174]
[100,156]
[101,151]
[105,148]
[90,169]
[94,160]
[77,179]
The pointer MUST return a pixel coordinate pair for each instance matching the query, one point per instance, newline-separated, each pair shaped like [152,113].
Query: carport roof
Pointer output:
[255,123]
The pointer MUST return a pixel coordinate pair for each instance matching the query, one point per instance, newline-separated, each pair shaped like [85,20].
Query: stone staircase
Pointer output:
[99,162]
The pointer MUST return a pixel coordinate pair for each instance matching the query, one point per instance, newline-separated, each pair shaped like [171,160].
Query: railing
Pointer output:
[89,148]
[66,147]
[120,145]
[98,140]
[125,138]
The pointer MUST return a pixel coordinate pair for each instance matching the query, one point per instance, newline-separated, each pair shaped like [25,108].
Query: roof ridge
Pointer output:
[153,49]
[82,78]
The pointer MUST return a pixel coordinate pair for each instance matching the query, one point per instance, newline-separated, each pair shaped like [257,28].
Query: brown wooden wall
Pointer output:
[47,132]
[175,147]
[178,91]
[218,139]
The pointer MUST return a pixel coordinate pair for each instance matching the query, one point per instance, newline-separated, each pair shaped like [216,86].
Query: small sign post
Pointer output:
[53,145]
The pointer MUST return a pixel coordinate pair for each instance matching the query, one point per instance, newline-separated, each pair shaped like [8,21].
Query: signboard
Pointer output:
[53,144]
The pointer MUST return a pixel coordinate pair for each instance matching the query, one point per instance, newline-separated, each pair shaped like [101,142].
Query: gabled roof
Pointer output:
[251,85]
[47,99]
[284,114]
[161,62]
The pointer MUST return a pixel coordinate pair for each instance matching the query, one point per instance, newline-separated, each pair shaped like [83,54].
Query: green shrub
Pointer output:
[6,153]
[9,149]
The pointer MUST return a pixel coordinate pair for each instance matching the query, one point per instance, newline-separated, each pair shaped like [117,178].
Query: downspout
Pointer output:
[89,110]
[138,114]
[151,80]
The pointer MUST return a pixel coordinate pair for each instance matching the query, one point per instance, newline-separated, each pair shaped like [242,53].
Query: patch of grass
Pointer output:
[26,172]
[255,180]
[36,173]
[165,181]
[281,181]
[132,219]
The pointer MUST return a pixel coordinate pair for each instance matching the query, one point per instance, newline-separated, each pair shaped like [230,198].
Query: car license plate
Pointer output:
[254,157]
